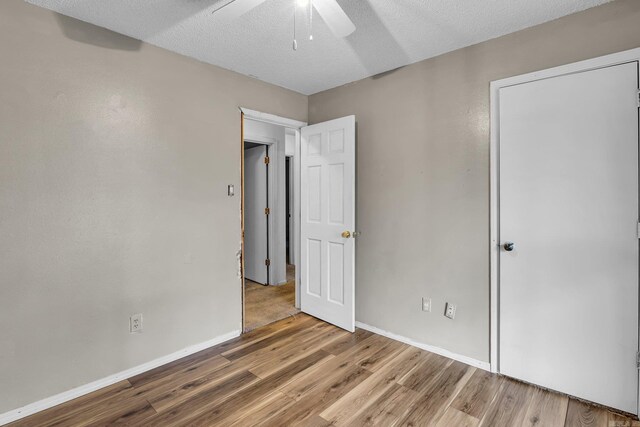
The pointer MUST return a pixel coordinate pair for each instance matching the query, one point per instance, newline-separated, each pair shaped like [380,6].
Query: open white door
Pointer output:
[256,231]
[327,210]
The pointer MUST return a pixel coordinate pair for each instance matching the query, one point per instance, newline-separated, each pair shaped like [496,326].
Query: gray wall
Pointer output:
[114,161]
[423,172]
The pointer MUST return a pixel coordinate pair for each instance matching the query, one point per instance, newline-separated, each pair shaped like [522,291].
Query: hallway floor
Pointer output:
[267,304]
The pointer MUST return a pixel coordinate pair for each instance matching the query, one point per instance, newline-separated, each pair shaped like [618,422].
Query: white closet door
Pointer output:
[569,205]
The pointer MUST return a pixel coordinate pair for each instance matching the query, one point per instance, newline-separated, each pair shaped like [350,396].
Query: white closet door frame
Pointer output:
[494,248]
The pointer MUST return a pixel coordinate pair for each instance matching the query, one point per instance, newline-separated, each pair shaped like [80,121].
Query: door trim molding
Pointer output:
[494,171]
[271,118]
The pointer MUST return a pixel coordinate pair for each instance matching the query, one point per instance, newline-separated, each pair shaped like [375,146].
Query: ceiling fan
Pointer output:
[329,10]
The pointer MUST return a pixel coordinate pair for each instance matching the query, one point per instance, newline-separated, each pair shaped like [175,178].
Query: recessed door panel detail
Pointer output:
[336,194]
[336,141]
[314,194]
[336,272]
[314,271]
[315,144]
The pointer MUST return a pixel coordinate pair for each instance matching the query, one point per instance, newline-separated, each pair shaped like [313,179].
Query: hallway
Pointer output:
[267,304]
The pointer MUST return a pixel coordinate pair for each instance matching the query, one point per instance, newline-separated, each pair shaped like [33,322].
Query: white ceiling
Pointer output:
[389,34]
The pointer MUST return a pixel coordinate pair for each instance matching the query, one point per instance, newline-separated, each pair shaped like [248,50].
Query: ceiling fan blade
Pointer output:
[335,17]
[235,9]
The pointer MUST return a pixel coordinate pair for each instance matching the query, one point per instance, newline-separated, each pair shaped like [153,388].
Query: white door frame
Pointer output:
[494,174]
[296,125]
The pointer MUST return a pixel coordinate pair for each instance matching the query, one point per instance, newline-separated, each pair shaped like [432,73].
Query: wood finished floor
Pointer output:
[303,372]
[266,304]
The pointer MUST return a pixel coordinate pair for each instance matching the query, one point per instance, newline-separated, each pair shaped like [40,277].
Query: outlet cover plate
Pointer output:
[426,304]
[450,311]
[135,323]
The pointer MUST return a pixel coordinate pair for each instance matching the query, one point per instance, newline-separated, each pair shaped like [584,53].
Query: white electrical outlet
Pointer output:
[450,311]
[426,304]
[135,323]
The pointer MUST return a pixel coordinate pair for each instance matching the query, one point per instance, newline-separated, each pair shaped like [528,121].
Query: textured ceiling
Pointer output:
[389,34]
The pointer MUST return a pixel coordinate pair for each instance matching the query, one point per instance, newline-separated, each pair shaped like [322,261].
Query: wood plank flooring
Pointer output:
[303,372]
[267,304]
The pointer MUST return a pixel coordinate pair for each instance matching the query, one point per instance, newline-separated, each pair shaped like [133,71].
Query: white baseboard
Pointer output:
[57,399]
[433,349]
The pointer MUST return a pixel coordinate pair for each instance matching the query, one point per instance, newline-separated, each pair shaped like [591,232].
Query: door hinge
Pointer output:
[638,98]
[638,360]
[267,262]
[267,211]
[266,160]
[638,230]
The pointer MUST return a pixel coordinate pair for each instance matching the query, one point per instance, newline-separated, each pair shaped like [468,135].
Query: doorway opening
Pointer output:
[269,198]
[297,234]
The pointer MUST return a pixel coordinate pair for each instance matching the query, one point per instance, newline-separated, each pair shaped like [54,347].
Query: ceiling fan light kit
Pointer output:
[329,10]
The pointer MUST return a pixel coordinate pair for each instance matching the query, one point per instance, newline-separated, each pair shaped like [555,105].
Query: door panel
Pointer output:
[336,273]
[569,203]
[255,221]
[313,268]
[328,209]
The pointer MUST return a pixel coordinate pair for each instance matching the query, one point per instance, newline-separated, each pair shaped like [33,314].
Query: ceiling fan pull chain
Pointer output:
[295,8]
[310,19]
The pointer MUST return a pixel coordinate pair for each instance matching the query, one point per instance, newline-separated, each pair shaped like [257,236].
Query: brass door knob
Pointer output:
[346,234]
